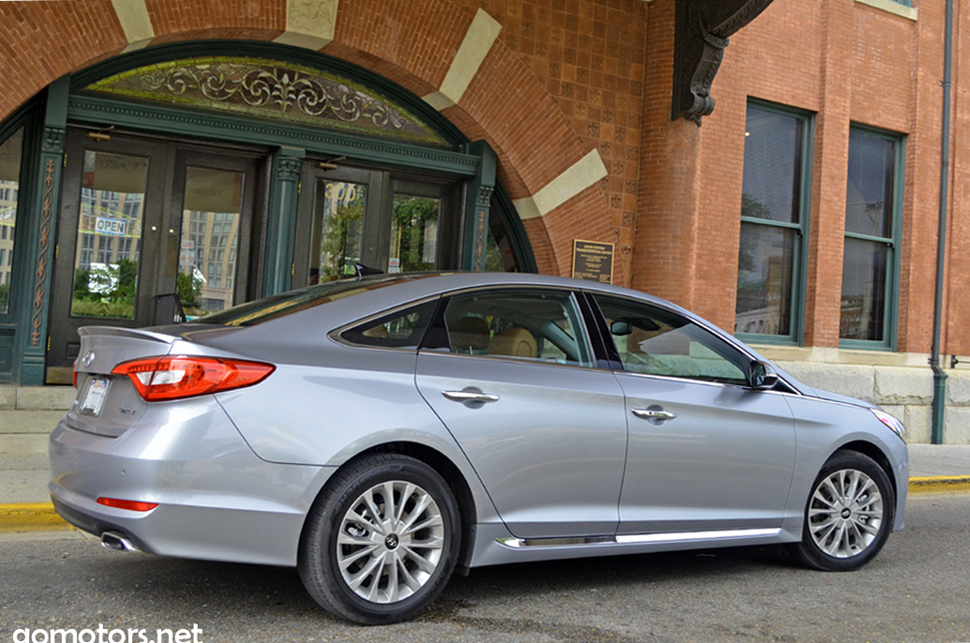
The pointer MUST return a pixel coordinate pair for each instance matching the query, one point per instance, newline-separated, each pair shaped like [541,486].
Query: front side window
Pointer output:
[539,325]
[652,341]
[774,207]
[873,205]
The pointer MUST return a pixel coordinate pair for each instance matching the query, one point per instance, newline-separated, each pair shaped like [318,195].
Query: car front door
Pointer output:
[707,452]
[514,381]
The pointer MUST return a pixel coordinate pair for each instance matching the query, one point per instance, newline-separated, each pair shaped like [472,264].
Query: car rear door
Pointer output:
[512,377]
[707,452]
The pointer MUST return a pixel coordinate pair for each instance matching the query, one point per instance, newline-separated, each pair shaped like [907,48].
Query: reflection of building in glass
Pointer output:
[208,255]
[766,319]
[9,195]
[8,222]
[109,227]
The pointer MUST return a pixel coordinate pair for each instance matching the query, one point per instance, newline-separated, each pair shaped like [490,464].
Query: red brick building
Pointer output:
[802,213]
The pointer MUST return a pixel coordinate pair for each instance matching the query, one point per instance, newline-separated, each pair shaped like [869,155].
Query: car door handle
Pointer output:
[470,396]
[654,413]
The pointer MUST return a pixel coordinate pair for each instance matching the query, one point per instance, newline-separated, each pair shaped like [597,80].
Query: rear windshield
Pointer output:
[287,303]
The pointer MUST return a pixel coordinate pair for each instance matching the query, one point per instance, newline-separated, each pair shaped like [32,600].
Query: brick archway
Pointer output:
[554,178]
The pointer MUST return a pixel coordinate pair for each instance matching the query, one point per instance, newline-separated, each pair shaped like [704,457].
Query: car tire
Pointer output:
[372,561]
[848,515]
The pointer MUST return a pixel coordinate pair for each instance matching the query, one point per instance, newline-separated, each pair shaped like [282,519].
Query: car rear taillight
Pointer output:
[172,378]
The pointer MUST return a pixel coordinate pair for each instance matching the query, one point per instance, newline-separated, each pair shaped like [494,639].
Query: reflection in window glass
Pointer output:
[520,324]
[414,234]
[212,210]
[499,253]
[10,153]
[869,199]
[771,222]
[863,290]
[338,226]
[870,243]
[765,265]
[109,235]
[402,329]
[653,342]
[772,165]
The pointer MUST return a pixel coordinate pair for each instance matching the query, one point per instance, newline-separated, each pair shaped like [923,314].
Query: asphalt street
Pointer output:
[917,589]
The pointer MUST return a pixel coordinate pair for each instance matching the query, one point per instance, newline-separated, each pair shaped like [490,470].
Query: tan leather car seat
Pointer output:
[514,342]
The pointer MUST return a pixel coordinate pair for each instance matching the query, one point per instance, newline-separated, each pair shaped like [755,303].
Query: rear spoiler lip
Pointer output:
[117,331]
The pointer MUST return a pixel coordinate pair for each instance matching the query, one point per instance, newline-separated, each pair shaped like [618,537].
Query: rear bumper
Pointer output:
[216,499]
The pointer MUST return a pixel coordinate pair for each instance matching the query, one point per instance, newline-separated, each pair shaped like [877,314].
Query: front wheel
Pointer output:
[382,542]
[848,516]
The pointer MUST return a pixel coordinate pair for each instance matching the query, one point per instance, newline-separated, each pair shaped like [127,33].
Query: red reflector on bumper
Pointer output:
[130,505]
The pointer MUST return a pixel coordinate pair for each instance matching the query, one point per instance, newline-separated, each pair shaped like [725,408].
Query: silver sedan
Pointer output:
[381,433]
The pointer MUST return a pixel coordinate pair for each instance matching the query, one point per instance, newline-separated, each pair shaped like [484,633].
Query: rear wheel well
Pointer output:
[456,482]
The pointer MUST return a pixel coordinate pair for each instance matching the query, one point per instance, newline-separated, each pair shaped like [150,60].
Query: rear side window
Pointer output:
[525,324]
[399,329]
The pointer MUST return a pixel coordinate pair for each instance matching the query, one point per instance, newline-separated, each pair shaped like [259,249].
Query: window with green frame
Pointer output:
[873,227]
[774,224]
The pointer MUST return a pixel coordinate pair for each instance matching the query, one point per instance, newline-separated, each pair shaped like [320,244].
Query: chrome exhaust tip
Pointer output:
[117,541]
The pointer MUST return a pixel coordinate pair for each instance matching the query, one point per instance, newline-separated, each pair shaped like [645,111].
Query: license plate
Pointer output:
[95,396]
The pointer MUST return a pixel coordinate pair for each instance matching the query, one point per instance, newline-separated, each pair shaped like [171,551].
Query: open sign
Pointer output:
[117,227]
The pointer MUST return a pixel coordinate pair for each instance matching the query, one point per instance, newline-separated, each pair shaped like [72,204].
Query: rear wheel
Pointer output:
[382,541]
[848,516]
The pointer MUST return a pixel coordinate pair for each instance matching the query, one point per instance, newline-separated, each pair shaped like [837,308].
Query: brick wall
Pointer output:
[566,77]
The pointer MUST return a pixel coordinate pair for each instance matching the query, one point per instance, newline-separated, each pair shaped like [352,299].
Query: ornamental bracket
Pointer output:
[701,34]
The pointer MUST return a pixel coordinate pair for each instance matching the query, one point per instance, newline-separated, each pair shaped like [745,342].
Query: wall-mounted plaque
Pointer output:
[593,261]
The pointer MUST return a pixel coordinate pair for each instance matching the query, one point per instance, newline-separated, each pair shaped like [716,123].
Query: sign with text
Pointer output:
[117,227]
[593,261]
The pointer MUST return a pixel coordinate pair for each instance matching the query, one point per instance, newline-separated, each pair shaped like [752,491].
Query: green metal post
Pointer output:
[31,341]
[284,194]
[477,206]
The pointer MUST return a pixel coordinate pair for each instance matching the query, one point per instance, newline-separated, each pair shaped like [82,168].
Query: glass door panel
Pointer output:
[414,233]
[211,217]
[109,229]
[10,153]
[337,236]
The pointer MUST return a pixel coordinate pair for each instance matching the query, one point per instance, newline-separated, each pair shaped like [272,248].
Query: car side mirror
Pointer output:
[761,376]
[620,328]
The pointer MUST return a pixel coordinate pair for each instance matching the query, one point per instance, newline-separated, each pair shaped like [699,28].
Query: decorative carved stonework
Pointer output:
[269,89]
[701,35]
[53,140]
[288,168]
[40,275]
[481,238]
[484,196]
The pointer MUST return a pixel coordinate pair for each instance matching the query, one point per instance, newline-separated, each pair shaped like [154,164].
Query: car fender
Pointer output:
[824,427]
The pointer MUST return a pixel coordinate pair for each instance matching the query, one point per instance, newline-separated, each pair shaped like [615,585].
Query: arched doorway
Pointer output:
[227,177]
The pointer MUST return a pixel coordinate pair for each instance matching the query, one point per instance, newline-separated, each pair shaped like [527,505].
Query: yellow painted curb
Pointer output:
[30,516]
[40,516]
[937,484]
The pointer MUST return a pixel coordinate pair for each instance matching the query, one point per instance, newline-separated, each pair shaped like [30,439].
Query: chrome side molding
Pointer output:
[639,539]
